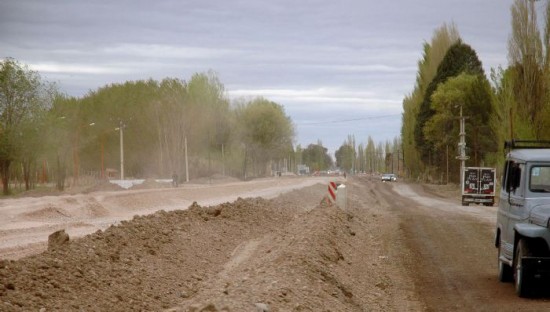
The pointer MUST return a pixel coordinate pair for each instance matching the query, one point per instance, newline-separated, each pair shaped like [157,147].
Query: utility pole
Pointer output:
[120,128]
[223,162]
[462,147]
[186,163]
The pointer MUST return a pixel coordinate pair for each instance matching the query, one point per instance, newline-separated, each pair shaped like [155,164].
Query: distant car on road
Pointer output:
[390,177]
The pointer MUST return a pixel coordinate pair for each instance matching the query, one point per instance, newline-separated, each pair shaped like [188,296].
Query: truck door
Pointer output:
[487,181]
[503,214]
[516,200]
[510,208]
[471,181]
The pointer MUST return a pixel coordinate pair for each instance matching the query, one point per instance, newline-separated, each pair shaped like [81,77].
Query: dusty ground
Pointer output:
[25,223]
[395,247]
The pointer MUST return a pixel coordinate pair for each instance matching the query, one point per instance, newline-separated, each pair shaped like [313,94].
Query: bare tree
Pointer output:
[526,56]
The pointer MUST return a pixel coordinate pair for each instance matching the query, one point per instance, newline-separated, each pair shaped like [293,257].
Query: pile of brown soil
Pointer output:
[149,263]
[285,254]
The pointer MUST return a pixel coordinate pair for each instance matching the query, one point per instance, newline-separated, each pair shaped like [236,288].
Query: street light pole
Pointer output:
[121,131]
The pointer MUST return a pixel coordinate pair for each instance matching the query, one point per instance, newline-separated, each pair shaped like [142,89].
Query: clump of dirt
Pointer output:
[58,239]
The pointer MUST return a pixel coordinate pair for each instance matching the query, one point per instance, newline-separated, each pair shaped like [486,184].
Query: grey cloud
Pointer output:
[363,47]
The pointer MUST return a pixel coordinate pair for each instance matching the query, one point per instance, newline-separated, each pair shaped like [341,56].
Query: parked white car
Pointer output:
[390,177]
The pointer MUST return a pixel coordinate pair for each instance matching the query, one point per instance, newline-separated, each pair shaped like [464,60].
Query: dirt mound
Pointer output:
[94,209]
[47,213]
[285,254]
[298,267]
[151,184]
[149,263]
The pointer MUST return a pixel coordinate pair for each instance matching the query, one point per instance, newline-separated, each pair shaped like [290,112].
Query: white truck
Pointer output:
[523,220]
[479,186]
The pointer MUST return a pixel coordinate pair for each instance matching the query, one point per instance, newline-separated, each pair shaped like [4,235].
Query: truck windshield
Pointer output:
[540,179]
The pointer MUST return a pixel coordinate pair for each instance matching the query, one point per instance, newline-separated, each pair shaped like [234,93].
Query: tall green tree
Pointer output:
[459,58]
[433,54]
[24,98]
[473,93]
[316,157]
[171,125]
[346,155]
[370,154]
[529,61]
[266,132]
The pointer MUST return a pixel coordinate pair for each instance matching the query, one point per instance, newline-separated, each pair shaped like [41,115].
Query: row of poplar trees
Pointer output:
[47,136]
[515,103]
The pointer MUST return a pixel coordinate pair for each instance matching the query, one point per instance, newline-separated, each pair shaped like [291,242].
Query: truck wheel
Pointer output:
[521,279]
[505,272]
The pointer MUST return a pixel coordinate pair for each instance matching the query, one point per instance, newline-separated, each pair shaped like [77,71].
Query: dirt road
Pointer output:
[452,258]
[396,247]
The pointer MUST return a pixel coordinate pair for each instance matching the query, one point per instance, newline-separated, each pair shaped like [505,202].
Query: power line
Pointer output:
[345,120]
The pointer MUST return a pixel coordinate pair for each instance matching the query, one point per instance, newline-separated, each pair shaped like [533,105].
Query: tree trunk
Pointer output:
[4,172]
[244,162]
[27,173]
[60,174]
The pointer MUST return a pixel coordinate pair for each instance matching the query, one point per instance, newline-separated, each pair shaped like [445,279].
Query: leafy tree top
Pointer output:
[459,58]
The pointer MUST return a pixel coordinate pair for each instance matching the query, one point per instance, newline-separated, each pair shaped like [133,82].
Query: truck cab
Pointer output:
[523,219]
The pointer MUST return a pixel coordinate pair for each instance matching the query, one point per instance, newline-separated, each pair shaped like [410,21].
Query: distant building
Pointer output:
[303,169]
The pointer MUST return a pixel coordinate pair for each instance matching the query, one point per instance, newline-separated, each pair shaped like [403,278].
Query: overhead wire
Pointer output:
[345,120]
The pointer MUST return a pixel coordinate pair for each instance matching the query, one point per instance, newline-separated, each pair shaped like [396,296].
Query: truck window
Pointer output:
[517,180]
[505,174]
[513,177]
[539,180]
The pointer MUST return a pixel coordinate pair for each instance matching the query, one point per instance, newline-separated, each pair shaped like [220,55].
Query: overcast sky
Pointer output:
[338,67]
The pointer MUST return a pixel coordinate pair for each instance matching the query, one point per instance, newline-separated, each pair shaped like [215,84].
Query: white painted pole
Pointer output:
[186,163]
[223,162]
[120,128]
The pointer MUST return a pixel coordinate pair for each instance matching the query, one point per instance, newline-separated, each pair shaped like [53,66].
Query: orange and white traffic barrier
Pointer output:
[332,190]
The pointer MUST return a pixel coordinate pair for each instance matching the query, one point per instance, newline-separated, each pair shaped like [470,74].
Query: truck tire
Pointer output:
[505,272]
[521,279]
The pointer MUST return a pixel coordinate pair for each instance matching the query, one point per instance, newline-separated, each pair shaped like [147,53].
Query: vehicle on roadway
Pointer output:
[390,177]
[523,220]
[479,186]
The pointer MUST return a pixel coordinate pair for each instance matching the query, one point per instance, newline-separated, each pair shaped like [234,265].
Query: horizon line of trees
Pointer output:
[48,136]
